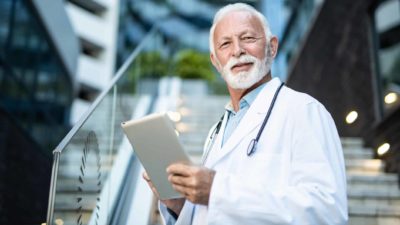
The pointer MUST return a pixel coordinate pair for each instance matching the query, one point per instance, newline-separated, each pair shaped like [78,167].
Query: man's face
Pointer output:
[240,50]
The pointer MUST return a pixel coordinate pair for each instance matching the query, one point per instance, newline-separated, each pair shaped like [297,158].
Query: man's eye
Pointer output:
[224,44]
[248,39]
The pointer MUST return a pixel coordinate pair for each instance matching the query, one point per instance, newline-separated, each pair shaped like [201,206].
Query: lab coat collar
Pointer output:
[254,116]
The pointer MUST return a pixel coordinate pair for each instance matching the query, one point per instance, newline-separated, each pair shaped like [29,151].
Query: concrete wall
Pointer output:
[335,64]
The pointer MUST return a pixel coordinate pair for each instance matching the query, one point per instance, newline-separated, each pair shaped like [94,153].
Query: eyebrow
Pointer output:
[247,31]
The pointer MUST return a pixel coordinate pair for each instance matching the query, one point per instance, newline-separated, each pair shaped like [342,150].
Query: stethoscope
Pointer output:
[251,149]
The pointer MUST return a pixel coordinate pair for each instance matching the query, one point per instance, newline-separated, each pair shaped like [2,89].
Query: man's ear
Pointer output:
[214,61]
[274,43]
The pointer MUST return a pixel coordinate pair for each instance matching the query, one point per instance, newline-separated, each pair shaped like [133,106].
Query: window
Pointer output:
[387,31]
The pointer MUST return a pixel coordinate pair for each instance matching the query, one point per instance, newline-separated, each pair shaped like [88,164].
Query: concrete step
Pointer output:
[358,153]
[373,215]
[381,182]
[377,197]
[373,210]
[192,138]
[90,172]
[365,165]
[72,201]
[70,217]
[351,142]
[74,156]
[365,190]
[72,185]
[373,220]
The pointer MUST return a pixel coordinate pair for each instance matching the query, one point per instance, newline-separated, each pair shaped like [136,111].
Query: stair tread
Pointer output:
[368,210]
[374,193]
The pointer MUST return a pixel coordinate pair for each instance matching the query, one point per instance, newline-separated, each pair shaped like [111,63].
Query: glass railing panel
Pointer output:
[86,161]
[90,163]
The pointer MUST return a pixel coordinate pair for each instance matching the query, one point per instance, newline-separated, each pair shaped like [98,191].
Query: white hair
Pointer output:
[233,8]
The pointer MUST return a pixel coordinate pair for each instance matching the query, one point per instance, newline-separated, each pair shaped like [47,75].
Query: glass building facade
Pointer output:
[296,20]
[387,41]
[34,88]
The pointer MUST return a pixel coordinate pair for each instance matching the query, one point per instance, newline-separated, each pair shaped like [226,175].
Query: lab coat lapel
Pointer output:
[216,146]
[253,117]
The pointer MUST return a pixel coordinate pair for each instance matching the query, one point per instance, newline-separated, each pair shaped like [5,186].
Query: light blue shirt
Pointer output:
[234,118]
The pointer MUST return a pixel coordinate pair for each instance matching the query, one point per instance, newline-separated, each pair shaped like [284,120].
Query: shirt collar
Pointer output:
[246,100]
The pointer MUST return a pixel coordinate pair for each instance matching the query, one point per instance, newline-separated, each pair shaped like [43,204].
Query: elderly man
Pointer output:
[275,157]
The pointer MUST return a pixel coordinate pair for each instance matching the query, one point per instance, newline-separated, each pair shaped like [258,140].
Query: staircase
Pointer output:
[78,191]
[373,196]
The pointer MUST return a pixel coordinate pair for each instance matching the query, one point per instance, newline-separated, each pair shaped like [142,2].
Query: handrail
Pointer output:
[94,105]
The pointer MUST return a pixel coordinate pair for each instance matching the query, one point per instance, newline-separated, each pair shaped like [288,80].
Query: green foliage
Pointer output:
[149,65]
[186,64]
[218,87]
[191,64]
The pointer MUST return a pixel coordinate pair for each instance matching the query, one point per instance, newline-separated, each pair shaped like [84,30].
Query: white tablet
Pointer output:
[156,144]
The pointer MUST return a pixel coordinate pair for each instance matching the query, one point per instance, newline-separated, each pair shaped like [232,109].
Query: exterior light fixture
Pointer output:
[184,111]
[59,222]
[390,98]
[351,117]
[174,116]
[182,127]
[383,149]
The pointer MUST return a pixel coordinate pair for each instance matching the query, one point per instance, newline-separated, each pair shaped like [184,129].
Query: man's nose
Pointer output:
[238,49]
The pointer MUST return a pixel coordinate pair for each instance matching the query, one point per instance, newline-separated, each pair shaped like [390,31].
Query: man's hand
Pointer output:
[194,182]
[173,204]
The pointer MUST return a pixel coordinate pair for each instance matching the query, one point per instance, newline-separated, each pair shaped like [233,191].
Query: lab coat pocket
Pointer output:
[264,169]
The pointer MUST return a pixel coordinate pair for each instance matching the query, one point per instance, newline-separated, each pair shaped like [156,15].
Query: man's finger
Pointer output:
[180,180]
[181,189]
[180,169]
[145,176]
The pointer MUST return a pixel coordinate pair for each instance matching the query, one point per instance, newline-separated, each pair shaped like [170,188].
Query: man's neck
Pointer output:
[238,94]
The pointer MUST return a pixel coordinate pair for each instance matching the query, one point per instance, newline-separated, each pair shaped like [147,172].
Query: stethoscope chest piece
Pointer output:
[252,147]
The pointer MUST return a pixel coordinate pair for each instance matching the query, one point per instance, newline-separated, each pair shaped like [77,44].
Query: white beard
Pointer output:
[246,79]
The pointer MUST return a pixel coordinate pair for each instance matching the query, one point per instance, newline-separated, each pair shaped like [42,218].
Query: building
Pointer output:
[55,59]
[59,55]
[347,59]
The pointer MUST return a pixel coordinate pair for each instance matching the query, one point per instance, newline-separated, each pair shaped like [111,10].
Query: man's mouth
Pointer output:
[242,66]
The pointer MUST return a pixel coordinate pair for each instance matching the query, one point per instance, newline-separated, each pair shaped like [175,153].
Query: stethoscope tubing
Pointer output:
[253,143]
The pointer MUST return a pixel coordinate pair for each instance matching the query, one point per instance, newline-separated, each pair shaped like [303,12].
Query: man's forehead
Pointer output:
[234,20]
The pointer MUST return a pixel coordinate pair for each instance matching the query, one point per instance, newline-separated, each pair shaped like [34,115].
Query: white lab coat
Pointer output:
[296,176]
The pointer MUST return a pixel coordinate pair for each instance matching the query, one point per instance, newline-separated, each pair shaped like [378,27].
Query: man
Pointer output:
[287,170]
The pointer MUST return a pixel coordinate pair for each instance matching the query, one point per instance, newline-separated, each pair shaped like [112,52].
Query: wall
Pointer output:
[334,65]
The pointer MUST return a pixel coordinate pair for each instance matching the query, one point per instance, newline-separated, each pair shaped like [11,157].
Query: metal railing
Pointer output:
[90,162]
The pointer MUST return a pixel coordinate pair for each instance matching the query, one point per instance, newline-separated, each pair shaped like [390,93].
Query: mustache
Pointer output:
[242,59]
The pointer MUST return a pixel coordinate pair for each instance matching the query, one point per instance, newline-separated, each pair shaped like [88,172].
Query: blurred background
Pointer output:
[72,70]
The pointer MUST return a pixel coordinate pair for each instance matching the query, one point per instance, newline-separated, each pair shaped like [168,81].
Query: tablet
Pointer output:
[156,144]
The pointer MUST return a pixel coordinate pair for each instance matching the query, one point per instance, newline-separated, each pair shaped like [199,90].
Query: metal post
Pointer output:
[53,185]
